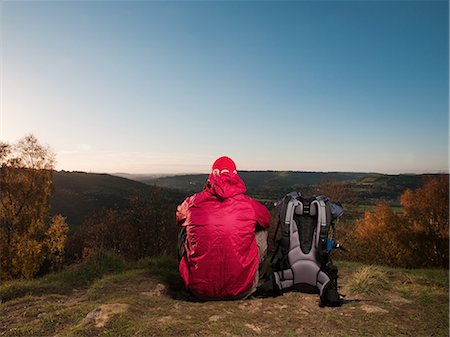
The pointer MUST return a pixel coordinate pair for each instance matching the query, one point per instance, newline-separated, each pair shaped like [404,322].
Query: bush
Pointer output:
[418,237]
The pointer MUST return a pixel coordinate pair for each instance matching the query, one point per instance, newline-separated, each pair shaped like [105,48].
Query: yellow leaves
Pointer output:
[27,241]
[29,250]
[27,256]
[56,238]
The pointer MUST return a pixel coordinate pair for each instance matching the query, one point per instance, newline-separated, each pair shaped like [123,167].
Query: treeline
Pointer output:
[145,227]
[32,243]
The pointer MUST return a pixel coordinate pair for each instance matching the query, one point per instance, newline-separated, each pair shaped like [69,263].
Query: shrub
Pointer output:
[418,237]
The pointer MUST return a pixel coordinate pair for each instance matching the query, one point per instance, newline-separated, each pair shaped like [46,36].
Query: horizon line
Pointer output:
[268,170]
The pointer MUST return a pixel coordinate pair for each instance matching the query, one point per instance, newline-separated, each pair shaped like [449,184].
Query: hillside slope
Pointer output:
[147,299]
[256,180]
[77,195]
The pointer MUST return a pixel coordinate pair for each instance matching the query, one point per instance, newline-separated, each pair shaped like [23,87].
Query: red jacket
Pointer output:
[221,252]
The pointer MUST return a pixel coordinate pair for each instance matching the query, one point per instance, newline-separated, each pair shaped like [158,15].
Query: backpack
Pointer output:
[302,258]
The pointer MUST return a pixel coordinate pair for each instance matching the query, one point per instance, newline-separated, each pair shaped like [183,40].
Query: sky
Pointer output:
[169,86]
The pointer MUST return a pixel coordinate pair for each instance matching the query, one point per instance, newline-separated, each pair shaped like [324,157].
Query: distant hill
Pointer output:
[77,195]
[257,180]
[389,187]
[271,185]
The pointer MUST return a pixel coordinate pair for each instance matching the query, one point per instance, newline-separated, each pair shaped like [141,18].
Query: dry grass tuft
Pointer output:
[369,280]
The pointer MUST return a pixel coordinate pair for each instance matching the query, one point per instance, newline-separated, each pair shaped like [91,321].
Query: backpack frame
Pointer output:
[302,258]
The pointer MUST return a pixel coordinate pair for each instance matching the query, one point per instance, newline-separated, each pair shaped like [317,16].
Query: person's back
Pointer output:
[222,257]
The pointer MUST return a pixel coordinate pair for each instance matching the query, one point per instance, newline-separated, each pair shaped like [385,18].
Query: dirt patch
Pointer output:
[254,327]
[166,319]
[214,318]
[397,299]
[101,315]
[372,309]
[251,306]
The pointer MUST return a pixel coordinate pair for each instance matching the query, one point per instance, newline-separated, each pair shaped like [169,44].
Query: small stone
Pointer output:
[101,315]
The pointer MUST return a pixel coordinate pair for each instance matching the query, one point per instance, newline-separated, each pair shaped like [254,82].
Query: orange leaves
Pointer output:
[375,223]
[379,234]
[417,237]
[428,207]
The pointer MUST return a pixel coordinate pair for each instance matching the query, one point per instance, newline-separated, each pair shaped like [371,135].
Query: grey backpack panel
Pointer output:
[305,224]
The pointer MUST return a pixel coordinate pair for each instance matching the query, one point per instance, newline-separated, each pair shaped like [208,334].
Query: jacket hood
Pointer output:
[225,185]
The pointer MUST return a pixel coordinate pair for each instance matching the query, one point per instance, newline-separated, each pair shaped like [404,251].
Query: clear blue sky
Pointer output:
[147,87]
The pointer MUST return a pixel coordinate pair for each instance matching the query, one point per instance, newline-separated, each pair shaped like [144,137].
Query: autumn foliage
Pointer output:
[416,237]
[28,239]
[31,242]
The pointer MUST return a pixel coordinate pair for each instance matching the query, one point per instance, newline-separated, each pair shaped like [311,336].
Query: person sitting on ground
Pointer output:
[223,237]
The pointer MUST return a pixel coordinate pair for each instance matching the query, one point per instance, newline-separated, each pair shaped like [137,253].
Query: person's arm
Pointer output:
[262,214]
[182,212]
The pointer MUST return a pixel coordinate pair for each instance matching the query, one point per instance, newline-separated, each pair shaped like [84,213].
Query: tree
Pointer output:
[25,187]
[418,237]
[427,212]
[55,240]
[380,237]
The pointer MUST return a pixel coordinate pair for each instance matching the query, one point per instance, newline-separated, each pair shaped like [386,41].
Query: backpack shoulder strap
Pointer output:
[285,210]
[323,226]
[282,208]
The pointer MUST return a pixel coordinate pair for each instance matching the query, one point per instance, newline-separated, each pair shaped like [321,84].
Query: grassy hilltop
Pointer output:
[108,297]
[105,295]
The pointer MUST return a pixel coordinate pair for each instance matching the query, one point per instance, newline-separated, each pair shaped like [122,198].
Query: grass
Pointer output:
[438,277]
[380,301]
[113,284]
[370,280]
[77,275]
[165,270]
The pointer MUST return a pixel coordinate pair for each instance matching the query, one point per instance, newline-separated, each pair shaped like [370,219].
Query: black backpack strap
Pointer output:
[282,206]
[330,296]
[323,228]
